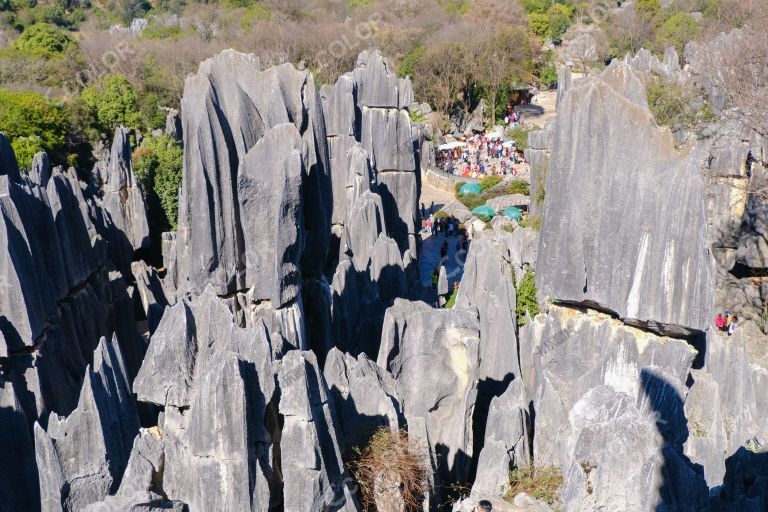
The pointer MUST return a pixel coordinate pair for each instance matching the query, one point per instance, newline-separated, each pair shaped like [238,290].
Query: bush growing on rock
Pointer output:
[158,166]
[489,182]
[518,186]
[390,472]
[526,298]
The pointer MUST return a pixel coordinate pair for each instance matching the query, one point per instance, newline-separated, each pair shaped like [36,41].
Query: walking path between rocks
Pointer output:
[430,194]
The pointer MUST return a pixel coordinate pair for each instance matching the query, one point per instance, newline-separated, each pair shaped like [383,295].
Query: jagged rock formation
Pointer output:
[417,341]
[229,110]
[85,454]
[288,277]
[662,273]
[123,201]
[365,397]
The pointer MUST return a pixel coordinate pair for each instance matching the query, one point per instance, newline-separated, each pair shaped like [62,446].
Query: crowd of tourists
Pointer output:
[480,156]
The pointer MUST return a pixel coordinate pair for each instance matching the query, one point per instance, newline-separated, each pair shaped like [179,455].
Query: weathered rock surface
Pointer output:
[434,358]
[365,397]
[506,446]
[123,200]
[18,472]
[83,456]
[229,106]
[662,272]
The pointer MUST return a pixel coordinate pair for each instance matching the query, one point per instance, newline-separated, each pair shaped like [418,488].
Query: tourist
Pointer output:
[432,208]
[720,322]
[444,250]
[484,506]
[423,211]
[732,326]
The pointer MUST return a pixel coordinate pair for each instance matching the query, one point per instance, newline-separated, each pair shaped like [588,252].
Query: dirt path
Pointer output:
[547,100]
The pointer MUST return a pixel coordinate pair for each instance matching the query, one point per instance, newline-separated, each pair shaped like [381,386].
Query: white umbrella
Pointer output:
[509,144]
[451,145]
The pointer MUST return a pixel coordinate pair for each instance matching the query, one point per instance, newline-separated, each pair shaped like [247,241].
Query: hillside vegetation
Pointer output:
[82,71]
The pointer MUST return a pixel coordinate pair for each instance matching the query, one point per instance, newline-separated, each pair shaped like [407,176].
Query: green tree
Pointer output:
[677,31]
[526,298]
[113,102]
[535,6]
[538,24]
[29,115]
[43,40]
[559,21]
[649,10]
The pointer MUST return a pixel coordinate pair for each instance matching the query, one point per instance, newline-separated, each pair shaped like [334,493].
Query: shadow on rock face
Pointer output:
[683,487]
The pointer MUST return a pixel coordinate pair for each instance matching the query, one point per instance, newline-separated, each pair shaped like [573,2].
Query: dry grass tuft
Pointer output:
[390,472]
[542,483]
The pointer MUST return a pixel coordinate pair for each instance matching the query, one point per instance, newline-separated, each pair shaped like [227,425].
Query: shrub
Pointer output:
[535,6]
[158,165]
[451,302]
[113,102]
[472,201]
[518,186]
[548,75]
[541,483]
[675,106]
[526,298]
[456,7]
[531,222]
[559,21]
[489,182]
[677,31]
[29,114]
[410,61]
[390,460]
[25,149]
[43,40]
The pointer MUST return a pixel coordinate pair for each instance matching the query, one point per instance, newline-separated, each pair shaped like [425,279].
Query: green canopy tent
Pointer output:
[513,213]
[484,211]
[470,188]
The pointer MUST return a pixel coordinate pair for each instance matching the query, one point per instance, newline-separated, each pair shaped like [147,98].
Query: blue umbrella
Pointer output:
[484,211]
[470,188]
[513,213]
